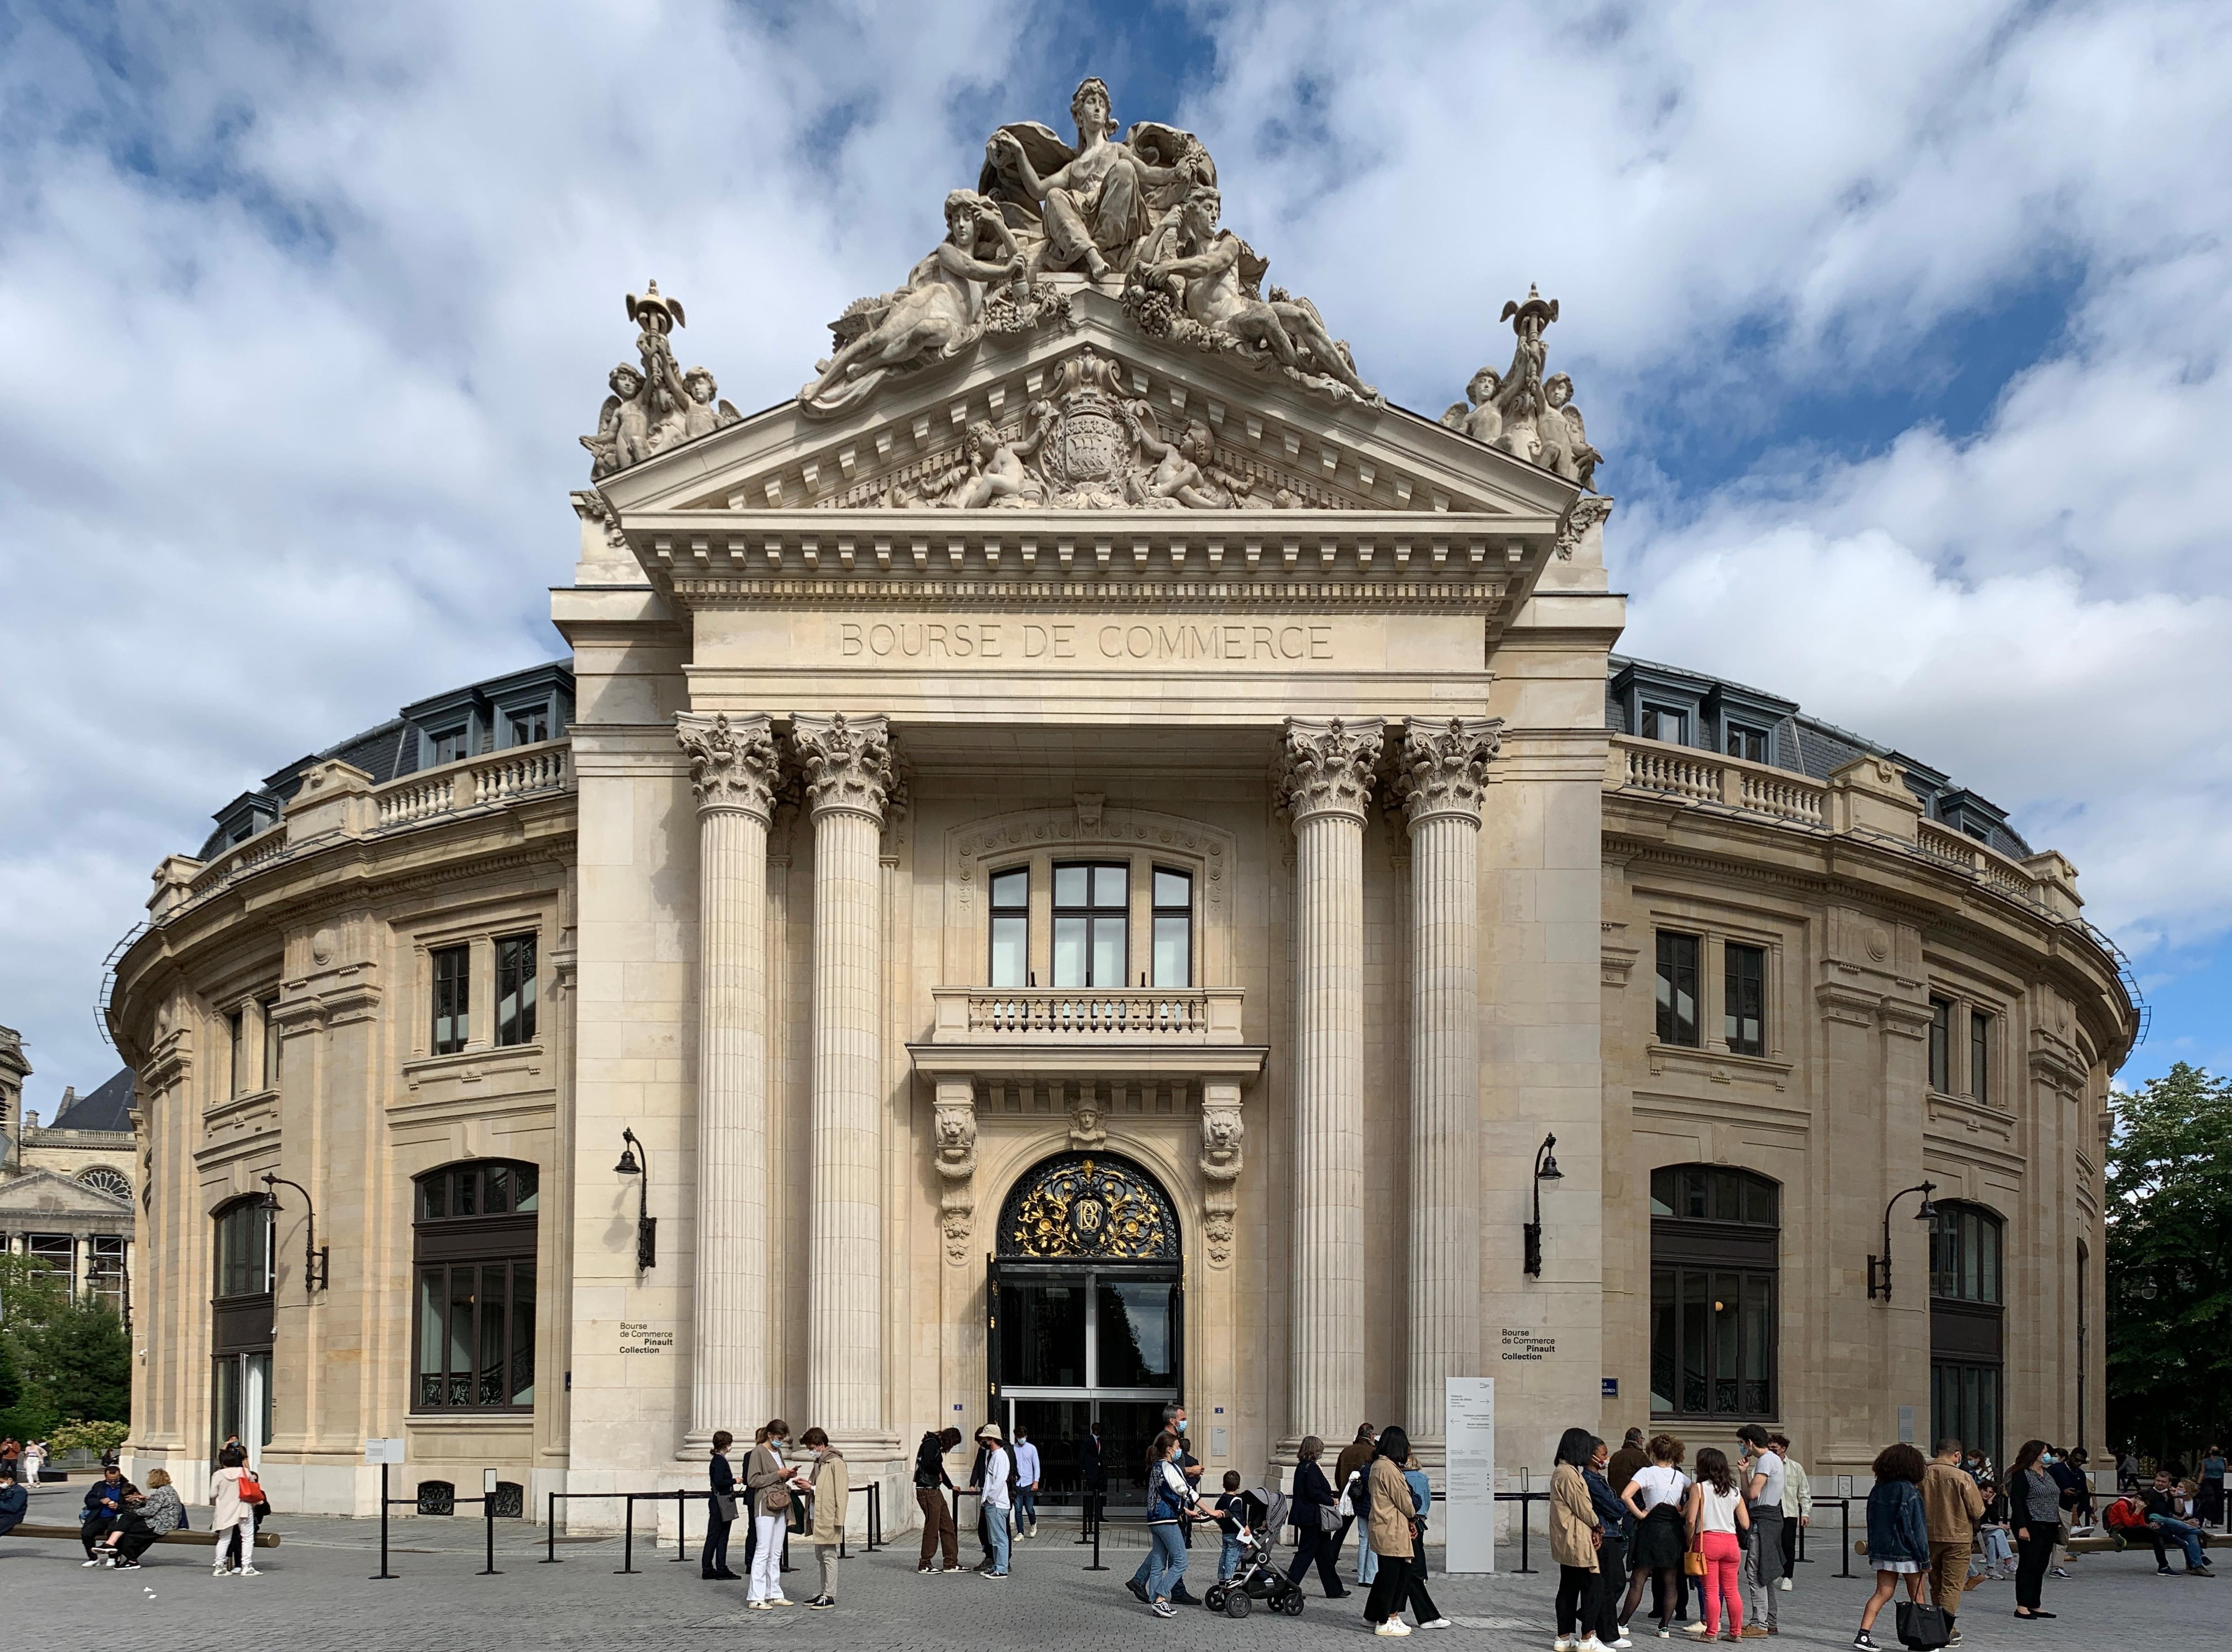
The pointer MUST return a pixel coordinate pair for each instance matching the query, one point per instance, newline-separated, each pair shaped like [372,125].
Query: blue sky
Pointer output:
[1903,325]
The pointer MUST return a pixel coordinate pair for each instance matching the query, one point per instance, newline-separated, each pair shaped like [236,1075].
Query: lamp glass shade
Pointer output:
[627,1165]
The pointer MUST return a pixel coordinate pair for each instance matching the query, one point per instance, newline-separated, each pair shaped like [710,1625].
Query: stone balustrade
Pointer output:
[1051,1015]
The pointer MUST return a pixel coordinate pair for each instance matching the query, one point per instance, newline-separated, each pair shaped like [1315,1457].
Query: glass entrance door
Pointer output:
[1073,1346]
[242,1395]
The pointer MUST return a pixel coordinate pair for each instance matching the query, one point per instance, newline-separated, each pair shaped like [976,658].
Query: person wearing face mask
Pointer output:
[771,1486]
[1174,1424]
[829,1491]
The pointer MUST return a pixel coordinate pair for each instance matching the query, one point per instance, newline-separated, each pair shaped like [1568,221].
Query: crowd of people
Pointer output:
[118,1522]
[771,1491]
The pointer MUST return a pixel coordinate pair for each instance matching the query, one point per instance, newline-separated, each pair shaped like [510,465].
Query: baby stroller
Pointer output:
[1257,1579]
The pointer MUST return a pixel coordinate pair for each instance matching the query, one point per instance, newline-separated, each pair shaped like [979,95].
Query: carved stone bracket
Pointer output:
[1222,1131]
[1442,766]
[733,764]
[1326,767]
[847,764]
[1087,1128]
[1584,513]
[956,1126]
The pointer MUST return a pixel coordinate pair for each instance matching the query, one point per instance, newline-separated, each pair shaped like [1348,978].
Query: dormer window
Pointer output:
[450,745]
[530,726]
[1753,745]
[1664,722]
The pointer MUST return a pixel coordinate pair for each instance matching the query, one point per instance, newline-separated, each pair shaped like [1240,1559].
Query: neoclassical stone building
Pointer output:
[1080,863]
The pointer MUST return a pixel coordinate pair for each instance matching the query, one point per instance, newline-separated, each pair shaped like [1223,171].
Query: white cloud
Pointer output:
[304,311]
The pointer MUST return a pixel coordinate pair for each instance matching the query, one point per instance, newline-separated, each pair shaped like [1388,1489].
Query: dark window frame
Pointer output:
[1941,1041]
[236,1037]
[474,1226]
[1980,1055]
[1008,921]
[1743,997]
[1649,714]
[450,993]
[1161,914]
[1699,1263]
[1968,1254]
[1673,972]
[269,1009]
[1093,915]
[1747,743]
[241,1275]
[515,992]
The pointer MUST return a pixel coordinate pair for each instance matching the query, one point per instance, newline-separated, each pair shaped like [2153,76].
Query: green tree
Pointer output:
[2170,1263]
[73,1359]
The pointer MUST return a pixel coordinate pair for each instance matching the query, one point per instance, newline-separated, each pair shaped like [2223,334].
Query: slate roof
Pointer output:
[107,1108]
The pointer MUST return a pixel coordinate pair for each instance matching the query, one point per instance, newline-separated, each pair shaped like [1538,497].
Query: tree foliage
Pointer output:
[65,1360]
[2170,1263]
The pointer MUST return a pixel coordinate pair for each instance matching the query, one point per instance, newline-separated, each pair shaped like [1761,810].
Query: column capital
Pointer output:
[847,763]
[1326,766]
[733,763]
[1441,766]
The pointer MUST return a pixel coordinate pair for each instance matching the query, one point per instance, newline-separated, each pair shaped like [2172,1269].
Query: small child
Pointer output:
[1232,1522]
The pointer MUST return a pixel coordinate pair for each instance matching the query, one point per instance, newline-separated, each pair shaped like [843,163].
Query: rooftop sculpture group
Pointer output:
[659,406]
[1521,411]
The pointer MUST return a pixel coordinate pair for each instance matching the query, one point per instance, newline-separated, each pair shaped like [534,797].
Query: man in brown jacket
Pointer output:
[1352,1457]
[1951,1507]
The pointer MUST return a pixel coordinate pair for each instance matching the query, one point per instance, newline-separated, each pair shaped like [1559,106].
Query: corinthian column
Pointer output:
[1440,773]
[1326,785]
[848,777]
[733,768]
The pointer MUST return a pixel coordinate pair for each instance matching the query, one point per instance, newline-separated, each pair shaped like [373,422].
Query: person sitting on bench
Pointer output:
[146,1516]
[104,1506]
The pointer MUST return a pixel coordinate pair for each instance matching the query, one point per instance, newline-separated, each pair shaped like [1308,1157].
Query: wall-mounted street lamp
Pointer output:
[313,1255]
[1546,1170]
[1879,1266]
[646,1225]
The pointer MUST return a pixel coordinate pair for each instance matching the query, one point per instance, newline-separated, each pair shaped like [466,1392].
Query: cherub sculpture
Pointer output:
[1480,419]
[1216,275]
[702,409]
[1565,440]
[623,426]
[1179,472]
[933,317]
[1522,412]
[995,475]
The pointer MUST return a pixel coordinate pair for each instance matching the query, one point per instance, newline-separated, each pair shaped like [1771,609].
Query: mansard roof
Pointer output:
[107,1107]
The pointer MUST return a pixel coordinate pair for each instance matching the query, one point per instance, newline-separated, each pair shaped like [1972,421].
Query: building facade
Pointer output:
[66,1189]
[1085,861]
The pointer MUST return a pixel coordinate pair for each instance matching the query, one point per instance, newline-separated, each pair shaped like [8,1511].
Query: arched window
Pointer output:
[1966,1344]
[473,1255]
[241,1330]
[103,1179]
[1714,1255]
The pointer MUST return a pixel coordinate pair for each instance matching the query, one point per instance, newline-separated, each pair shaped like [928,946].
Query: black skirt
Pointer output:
[1660,1539]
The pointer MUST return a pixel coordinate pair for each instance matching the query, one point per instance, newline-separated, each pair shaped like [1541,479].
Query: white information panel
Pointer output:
[1469,1513]
[381,1451]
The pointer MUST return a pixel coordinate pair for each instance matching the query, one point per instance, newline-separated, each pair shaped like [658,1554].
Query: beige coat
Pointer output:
[829,1491]
[1391,1509]
[1951,1505]
[763,1469]
[1573,1520]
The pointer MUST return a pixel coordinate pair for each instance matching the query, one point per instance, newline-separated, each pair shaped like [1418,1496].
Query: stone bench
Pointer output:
[206,1539]
[2099,1542]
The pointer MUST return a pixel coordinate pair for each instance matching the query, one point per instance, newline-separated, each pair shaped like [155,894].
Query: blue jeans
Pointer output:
[1027,1509]
[1166,1562]
[996,1528]
[2184,1536]
[1228,1561]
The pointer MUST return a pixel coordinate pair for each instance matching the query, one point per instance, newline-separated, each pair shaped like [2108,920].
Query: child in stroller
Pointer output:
[1253,1518]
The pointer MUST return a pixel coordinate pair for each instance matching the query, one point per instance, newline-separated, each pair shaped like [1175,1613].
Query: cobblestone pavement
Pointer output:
[316,1593]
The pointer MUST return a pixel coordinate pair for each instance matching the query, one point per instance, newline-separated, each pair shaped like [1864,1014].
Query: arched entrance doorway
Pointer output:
[1086,1303]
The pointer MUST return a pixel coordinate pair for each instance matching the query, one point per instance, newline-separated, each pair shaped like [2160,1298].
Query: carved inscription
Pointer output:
[1291,642]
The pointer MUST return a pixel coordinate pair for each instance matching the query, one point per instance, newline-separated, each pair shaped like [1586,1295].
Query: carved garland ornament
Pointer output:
[732,765]
[956,1124]
[1222,1131]
[1442,768]
[1091,1206]
[1326,767]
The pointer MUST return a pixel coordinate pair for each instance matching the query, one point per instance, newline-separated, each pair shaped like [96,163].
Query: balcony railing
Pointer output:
[1053,1015]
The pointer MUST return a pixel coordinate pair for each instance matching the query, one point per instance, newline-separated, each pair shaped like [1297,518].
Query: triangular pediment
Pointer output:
[1247,441]
[28,1191]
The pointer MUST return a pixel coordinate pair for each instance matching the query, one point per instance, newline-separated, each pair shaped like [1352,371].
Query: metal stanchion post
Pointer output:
[488,1519]
[384,1575]
[681,1528]
[550,1532]
[1096,1565]
[627,1542]
[1524,1529]
[1846,1542]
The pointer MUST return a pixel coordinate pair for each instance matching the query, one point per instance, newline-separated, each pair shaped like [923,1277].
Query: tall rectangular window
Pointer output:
[1678,988]
[515,989]
[1749,743]
[269,1009]
[235,1030]
[1011,928]
[1744,998]
[452,997]
[105,1270]
[1173,927]
[1941,1051]
[1980,1055]
[1089,920]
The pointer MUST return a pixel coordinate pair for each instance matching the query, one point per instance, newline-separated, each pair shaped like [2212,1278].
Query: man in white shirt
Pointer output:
[996,1499]
[1762,1479]
[1027,1483]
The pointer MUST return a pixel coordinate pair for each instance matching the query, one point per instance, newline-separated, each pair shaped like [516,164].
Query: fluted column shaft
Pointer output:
[1440,773]
[1326,786]
[848,778]
[733,766]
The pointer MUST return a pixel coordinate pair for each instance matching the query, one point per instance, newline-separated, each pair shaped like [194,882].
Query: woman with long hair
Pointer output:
[2034,1506]
[1317,1518]
[1655,1495]
[1898,1534]
[1715,1515]
[1576,1534]
[1169,1503]
[1391,1512]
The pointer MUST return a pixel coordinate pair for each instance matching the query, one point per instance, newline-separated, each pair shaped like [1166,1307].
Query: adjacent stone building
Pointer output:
[66,1189]
[1084,862]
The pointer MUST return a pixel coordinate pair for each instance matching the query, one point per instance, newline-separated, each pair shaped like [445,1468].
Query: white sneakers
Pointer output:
[1563,1644]
[1782,1583]
[1393,1626]
[248,1572]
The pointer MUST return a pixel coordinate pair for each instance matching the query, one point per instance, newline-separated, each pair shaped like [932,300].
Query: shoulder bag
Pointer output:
[1922,1628]
[251,1491]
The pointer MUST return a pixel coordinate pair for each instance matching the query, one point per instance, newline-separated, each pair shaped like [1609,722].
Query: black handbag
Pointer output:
[1922,1628]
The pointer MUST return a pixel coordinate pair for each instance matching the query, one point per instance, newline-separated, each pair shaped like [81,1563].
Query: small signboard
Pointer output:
[1611,1390]
[1468,1493]
[1844,1486]
[382,1451]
